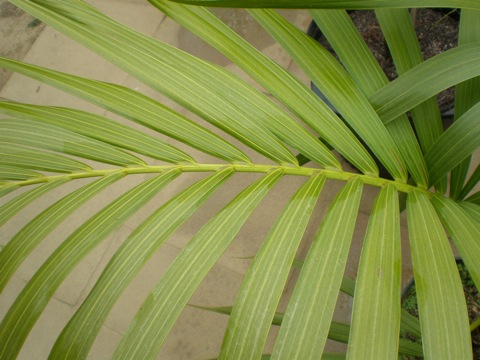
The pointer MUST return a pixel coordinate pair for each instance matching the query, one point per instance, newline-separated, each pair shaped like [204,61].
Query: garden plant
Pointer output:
[291,133]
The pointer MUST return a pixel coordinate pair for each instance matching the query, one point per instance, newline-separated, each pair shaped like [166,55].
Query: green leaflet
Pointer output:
[337,331]
[464,232]
[147,333]
[467,94]
[456,144]
[15,173]
[376,309]
[471,183]
[443,319]
[310,309]
[24,157]
[25,241]
[291,92]
[11,208]
[474,198]
[403,45]
[265,280]
[76,339]
[426,80]
[33,299]
[402,41]
[338,87]
[50,137]
[134,106]
[97,127]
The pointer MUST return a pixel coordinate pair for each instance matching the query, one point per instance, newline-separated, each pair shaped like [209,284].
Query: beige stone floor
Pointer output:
[197,334]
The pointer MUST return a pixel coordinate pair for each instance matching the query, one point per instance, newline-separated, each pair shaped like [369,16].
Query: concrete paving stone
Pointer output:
[122,11]
[45,331]
[105,345]
[54,50]
[196,331]
[168,32]
[296,71]
[133,297]
[253,232]
[10,293]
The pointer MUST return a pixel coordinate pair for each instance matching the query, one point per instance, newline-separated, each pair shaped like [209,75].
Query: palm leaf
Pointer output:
[259,295]
[51,137]
[272,77]
[47,150]
[130,104]
[467,94]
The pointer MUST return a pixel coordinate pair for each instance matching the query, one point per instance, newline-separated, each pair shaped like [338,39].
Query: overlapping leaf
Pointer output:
[260,293]
[129,103]
[51,137]
[333,81]
[272,77]
[367,73]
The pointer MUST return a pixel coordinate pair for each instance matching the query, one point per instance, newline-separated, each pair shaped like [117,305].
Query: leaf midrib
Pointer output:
[240,168]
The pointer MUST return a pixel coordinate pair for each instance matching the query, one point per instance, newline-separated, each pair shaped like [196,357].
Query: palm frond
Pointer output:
[80,157]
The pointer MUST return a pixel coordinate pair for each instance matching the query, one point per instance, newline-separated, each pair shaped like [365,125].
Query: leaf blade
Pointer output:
[24,157]
[455,145]
[227,102]
[465,233]
[426,80]
[134,106]
[360,63]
